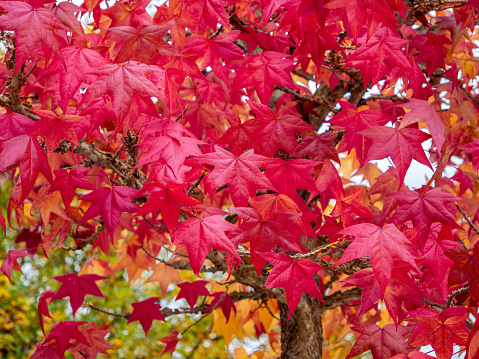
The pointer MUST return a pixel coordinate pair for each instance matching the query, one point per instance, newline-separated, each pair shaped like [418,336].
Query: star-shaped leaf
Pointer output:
[77,287]
[146,311]
[240,173]
[110,203]
[295,276]
[200,235]
[383,342]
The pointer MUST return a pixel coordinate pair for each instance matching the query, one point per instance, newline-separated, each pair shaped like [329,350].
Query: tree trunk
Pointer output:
[302,335]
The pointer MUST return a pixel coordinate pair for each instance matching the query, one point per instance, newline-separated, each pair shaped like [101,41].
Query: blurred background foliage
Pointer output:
[19,324]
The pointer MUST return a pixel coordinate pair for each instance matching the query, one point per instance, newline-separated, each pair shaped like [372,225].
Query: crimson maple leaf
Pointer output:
[473,149]
[354,122]
[73,68]
[290,175]
[10,262]
[264,71]
[171,342]
[110,203]
[424,111]
[465,269]
[63,333]
[32,158]
[403,145]
[240,136]
[317,147]
[265,232]
[375,14]
[192,290]
[383,246]
[199,235]
[210,51]
[145,312]
[122,83]
[276,129]
[440,330]
[33,29]
[223,301]
[383,342]
[423,209]
[77,287]
[240,173]
[295,276]
[43,301]
[375,58]
[143,43]
[166,199]
[169,150]
[347,206]
[96,342]
[55,128]
[68,181]
[13,125]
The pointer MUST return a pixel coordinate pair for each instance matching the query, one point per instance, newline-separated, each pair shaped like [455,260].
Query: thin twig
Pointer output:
[118,151]
[208,313]
[118,315]
[454,294]
[467,219]
[197,182]
[182,113]
[156,258]
[152,224]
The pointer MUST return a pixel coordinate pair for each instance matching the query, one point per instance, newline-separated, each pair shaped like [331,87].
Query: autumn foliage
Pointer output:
[301,175]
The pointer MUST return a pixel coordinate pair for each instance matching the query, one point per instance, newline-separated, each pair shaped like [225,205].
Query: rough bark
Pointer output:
[302,334]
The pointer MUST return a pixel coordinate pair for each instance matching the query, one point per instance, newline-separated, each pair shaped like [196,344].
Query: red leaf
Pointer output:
[240,173]
[32,158]
[276,129]
[73,68]
[122,83]
[192,290]
[383,342]
[68,181]
[318,147]
[264,232]
[55,128]
[441,330]
[13,125]
[167,200]
[33,28]
[110,203]
[171,342]
[424,111]
[383,246]
[63,333]
[226,304]
[295,276]
[96,342]
[381,52]
[354,122]
[402,145]
[465,269]
[199,235]
[43,307]
[264,71]
[77,287]
[143,43]
[347,206]
[10,262]
[290,175]
[423,209]
[473,149]
[145,312]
